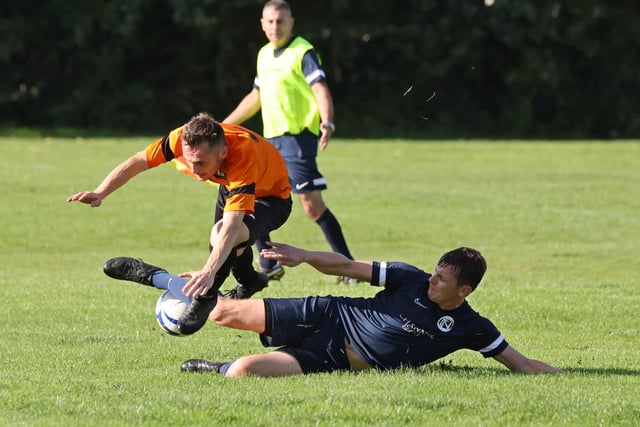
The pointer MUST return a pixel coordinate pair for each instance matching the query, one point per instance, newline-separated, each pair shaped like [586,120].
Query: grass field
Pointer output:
[558,223]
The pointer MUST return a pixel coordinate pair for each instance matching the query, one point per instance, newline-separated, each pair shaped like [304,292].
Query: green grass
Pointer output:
[557,221]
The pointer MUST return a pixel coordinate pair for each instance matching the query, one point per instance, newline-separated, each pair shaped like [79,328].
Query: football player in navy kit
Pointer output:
[416,319]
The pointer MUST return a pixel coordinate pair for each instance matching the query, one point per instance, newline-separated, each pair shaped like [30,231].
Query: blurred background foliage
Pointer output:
[405,68]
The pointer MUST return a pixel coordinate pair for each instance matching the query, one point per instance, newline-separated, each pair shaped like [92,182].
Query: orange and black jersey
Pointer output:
[253,167]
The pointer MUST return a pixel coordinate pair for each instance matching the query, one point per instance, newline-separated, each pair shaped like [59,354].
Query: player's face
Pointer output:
[444,289]
[277,26]
[204,160]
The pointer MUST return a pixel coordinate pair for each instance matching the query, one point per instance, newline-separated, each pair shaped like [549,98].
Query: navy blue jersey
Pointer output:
[401,326]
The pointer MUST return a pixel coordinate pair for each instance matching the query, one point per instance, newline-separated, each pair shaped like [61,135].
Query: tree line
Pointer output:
[405,68]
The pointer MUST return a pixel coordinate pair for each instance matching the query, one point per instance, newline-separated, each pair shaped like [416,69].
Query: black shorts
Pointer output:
[300,152]
[269,214]
[304,175]
[310,330]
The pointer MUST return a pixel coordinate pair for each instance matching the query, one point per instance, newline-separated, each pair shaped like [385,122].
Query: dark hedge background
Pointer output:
[404,68]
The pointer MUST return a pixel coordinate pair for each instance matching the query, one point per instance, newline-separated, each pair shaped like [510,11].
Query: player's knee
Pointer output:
[312,204]
[313,211]
[220,313]
[239,368]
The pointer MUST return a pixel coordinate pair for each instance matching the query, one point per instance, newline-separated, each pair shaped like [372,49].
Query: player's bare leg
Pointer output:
[273,364]
[246,314]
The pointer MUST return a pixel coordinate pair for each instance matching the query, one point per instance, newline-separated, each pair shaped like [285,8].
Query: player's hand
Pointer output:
[285,254]
[198,285]
[325,135]
[87,197]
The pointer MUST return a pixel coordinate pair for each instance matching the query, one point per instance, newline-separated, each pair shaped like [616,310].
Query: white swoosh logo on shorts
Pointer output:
[301,186]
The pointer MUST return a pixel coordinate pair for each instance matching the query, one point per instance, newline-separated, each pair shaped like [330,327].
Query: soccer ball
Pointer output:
[169,309]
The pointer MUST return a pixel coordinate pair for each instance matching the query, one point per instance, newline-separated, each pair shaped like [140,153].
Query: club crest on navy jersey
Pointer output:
[445,323]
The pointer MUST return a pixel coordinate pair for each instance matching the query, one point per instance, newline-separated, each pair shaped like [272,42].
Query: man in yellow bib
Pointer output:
[297,114]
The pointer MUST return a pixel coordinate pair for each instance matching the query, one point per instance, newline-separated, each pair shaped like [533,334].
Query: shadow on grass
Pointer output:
[603,371]
[449,367]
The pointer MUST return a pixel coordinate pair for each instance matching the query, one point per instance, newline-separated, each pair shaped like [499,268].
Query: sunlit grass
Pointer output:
[557,221]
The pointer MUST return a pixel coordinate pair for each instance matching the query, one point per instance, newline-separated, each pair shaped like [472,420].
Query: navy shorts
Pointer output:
[310,330]
[269,214]
[299,153]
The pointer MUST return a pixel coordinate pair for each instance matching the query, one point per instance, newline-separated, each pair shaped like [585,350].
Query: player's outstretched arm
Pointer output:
[516,362]
[225,235]
[331,263]
[114,180]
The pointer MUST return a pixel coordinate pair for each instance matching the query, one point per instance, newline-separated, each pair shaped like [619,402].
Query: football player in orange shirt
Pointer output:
[253,199]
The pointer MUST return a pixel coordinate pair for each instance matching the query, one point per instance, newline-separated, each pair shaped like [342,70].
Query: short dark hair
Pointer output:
[203,128]
[278,5]
[468,264]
